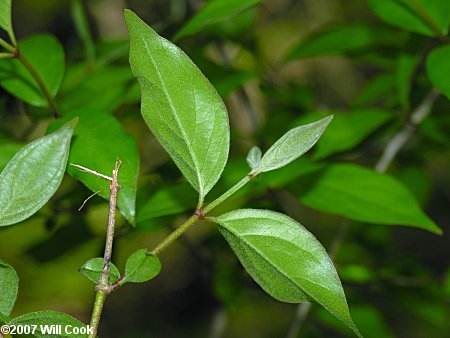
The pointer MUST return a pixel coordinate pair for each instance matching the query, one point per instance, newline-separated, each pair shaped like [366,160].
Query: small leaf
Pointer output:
[215,11]
[438,68]
[33,175]
[180,106]
[364,195]
[254,157]
[92,269]
[98,141]
[42,318]
[417,16]
[285,259]
[9,284]
[46,55]
[292,145]
[141,266]
[5,16]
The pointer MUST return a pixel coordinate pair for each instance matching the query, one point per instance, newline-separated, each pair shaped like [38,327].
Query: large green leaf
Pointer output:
[342,39]
[292,145]
[98,141]
[9,284]
[33,175]
[438,69]
[364,195]
[420,16]
[5,16]
[141,266]
[348,130]
[285,259]
[180,106]
[215,11]
[46,55]
[45,318]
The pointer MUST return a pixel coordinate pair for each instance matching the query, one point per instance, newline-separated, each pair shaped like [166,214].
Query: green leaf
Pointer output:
[9,284]
[180,106]
[438,68]
[5,16]
[420,16]
[348,130]
[49,318]
[215,11]
[141,266]
[46,55]
[254,157]
[342,39]
[92,269]
[292,145]
[4,319]
[98,141]
[285,259]
[364,195]
[33,175]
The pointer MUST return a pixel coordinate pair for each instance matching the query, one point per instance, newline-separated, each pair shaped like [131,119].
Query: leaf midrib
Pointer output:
[173,110]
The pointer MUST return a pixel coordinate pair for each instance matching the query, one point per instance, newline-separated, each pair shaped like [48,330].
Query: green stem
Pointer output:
[173,236]
[227,194]
[39,81]
[97,312]
[199,215]
[428,20]
[7,46]
[6,56]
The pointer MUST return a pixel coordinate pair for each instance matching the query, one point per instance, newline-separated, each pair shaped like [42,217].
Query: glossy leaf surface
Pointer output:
[364,195]
[9,284]
[180,106]
[98,141]
[33,175]
[438,69]
[420,16]
[292,145]
[141,266]
[46,55]
[215,11]
[285,259]
[92,269]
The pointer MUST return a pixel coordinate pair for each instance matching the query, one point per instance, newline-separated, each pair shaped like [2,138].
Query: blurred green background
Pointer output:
[272,78]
